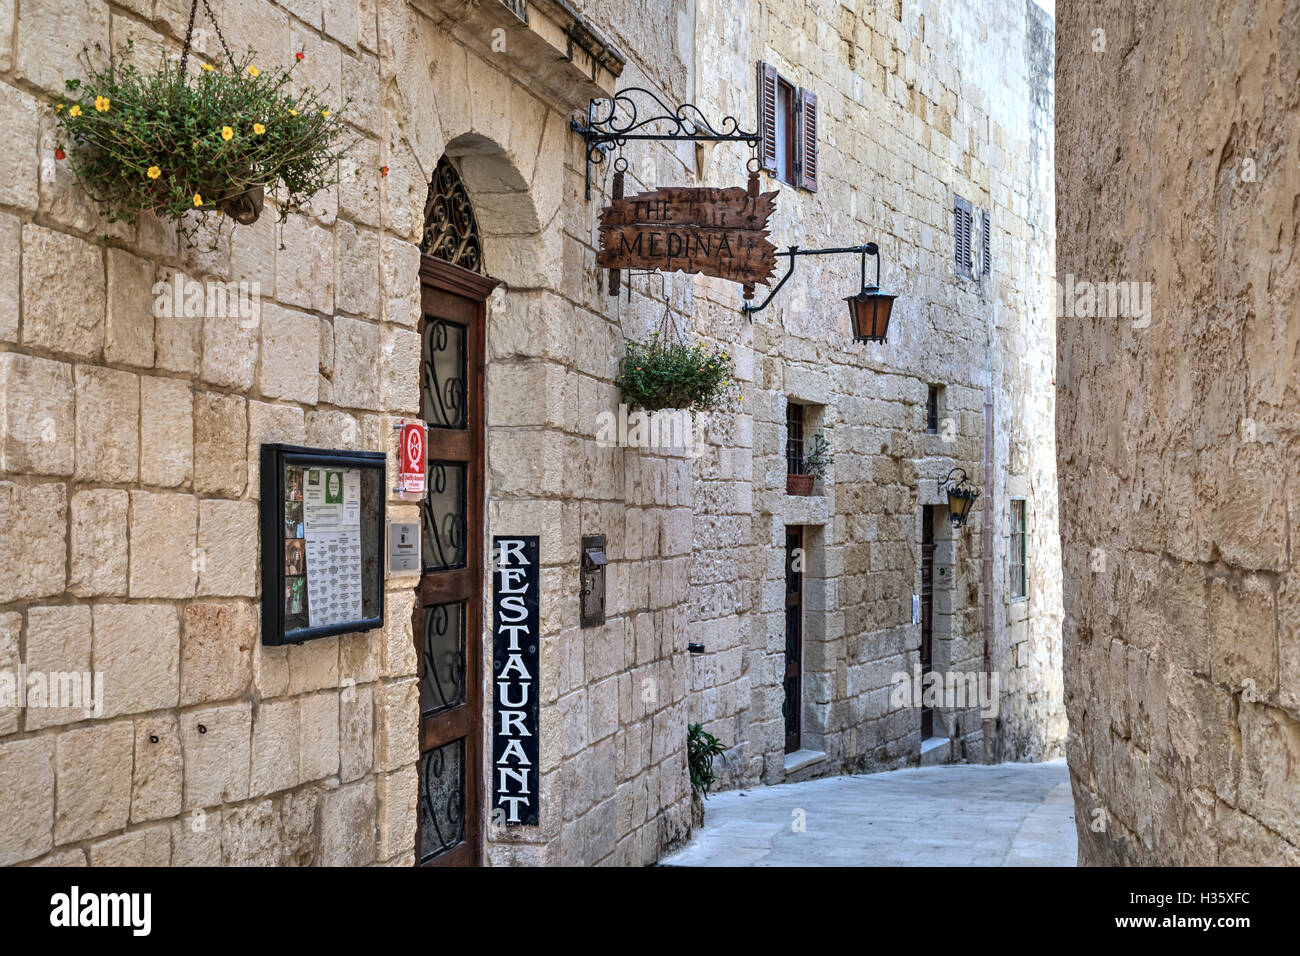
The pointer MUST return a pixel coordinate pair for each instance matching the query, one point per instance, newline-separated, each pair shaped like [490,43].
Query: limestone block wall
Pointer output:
[919,102]
[129,451]
[613,783]
[1178,436]
[129,479]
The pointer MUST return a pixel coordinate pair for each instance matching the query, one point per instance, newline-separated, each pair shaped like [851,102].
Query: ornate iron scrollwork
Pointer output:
[444,373]
[443,683]
[443,516]
[450,228]
[620,121]
[442,801]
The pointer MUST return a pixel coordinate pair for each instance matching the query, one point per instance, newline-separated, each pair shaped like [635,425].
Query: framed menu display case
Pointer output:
[322,516]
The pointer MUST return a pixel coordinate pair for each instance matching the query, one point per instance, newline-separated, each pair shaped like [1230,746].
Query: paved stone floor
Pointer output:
[1011,814]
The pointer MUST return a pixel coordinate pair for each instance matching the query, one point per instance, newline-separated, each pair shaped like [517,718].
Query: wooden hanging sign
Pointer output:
[711,230]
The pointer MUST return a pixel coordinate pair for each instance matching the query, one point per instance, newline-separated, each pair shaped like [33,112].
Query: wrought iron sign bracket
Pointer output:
[867,249]
[613,122]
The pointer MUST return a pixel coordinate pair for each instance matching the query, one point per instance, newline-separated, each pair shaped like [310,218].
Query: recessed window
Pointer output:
[932,410]
[787,125]
[794,422]
[1018,577]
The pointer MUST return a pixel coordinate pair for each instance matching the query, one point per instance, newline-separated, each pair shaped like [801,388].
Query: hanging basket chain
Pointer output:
[189,35]
[667,325]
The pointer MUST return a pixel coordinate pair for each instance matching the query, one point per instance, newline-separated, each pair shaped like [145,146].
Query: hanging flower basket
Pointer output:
[672,374]
[171,143]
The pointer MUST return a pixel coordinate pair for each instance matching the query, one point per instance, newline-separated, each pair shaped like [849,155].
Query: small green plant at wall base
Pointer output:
[701,748]
[664,374]
[816,461]
[171,143]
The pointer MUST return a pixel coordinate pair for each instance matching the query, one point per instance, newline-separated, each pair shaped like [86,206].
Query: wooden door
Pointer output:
[447,622]
[792,706]
[927,611]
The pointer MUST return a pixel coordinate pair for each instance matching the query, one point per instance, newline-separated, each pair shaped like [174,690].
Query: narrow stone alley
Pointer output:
[1011,814]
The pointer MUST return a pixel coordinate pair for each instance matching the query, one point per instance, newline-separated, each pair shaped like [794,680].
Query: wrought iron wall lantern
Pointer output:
[869,308]
[612,123]
[961,495]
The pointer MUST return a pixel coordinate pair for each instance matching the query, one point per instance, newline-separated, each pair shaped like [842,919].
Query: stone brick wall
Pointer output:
[129,440]
[918,102]
[1178,437]
[129,443]
[129,450]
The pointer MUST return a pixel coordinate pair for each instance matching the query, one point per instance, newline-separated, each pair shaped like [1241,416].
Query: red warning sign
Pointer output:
[411,467]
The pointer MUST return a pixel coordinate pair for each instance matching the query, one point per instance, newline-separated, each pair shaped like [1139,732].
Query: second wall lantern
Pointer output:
[961,495]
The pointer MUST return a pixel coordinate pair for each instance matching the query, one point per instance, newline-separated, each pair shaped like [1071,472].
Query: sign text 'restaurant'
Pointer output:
[515,640]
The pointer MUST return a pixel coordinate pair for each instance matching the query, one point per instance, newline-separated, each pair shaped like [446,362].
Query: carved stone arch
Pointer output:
[451,230]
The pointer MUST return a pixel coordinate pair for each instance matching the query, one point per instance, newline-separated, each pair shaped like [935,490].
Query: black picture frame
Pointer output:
[278,626]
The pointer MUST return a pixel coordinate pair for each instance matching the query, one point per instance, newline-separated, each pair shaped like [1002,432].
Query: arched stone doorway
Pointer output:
[481,231]
[447,619]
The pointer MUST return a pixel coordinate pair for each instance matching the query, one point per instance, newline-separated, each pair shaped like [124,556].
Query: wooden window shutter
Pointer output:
[961,210]
[808,139]
[767,104]
[986,257]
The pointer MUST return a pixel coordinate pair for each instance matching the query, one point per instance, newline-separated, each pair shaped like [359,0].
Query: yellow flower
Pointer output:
[75,111]
[325,113]
[227,133]
[153,172]
[208,67]
[253,71]
[198,200]
[58,107]
[259,129]
[101,104]
[292,111]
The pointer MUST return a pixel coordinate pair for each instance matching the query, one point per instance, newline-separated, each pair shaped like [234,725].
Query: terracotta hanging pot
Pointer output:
[243,207]
[799,484]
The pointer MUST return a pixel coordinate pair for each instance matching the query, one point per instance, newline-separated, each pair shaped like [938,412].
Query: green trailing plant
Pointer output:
[671,374]
[701,748]
[819,458]
[172,143]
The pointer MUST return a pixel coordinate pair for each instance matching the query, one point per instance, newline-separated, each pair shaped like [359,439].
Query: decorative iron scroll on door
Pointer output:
[451,230]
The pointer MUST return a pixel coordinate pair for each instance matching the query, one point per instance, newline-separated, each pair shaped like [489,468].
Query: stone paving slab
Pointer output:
[1013,814]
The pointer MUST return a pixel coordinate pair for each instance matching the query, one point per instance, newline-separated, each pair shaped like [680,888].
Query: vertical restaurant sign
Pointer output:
[515,679]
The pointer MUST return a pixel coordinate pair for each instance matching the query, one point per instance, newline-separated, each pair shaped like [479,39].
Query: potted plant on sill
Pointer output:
[815,464]
[174,143]
[666,373]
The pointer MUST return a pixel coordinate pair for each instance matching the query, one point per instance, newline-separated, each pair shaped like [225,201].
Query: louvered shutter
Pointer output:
[961,210]
[986,257]
[808,139]
[767,104]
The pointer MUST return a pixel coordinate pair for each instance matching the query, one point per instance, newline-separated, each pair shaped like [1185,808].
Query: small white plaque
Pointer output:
[403,547]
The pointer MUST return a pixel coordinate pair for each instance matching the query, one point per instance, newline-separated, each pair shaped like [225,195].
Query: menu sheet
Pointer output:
[331,508]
